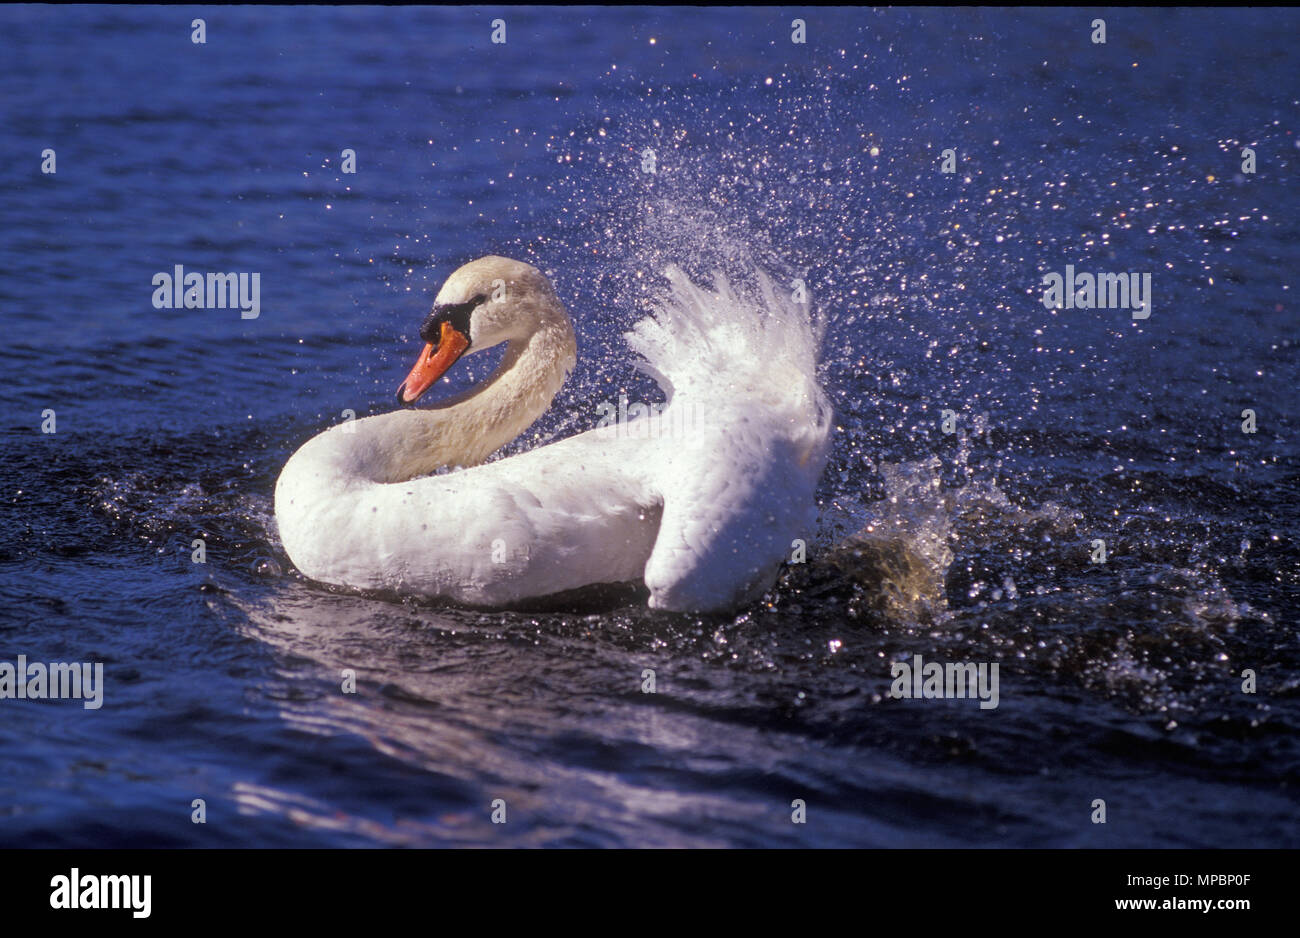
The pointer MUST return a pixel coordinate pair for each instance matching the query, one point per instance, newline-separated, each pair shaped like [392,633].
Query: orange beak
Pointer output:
[432,364]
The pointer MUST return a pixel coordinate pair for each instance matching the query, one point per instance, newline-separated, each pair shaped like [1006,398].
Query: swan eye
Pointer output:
[457,314]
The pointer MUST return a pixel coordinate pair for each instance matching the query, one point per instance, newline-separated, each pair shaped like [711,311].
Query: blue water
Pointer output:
[1120,681]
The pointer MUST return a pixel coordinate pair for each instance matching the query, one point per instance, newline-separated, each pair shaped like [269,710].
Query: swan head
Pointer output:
[483,303]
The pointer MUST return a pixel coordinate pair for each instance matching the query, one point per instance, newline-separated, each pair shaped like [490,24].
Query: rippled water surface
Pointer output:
[1120,681]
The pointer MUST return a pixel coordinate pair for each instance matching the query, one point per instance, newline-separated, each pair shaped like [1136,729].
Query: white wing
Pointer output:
[559,517]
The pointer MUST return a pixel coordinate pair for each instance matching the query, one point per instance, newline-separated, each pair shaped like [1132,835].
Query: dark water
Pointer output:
[1120,681]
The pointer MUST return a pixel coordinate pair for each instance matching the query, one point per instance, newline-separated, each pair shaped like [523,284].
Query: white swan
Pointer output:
[702,505]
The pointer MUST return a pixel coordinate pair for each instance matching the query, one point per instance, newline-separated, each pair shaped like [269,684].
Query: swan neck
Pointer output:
[466,429]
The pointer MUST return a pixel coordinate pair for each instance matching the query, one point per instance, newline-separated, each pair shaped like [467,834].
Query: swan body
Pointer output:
[701,503]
